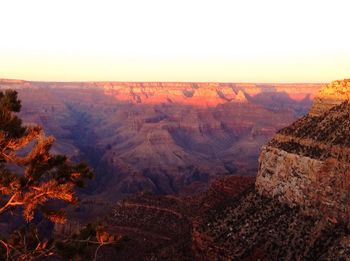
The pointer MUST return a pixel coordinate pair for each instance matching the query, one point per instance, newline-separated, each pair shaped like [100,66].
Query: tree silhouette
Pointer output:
[31,178]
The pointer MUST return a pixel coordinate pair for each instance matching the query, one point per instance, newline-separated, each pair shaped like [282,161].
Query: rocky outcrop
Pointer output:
[331,95]
[240,97]
[308,163]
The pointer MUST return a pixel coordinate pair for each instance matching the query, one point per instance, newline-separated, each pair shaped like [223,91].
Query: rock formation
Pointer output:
[333,94]
[308,163]
[240,97]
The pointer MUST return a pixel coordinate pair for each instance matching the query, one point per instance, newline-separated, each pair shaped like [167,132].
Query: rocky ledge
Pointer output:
[308,163]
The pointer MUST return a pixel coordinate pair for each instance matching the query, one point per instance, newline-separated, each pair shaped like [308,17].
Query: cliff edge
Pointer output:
[308,163]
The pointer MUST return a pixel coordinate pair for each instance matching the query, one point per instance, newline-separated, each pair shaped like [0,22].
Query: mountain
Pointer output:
[167,138]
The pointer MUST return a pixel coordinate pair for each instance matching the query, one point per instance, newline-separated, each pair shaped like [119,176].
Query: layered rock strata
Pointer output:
[308,163]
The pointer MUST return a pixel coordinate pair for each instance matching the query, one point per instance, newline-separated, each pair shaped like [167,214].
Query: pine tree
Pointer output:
[41,176]
[31,177]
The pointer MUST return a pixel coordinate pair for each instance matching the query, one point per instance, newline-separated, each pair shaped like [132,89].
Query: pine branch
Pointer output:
[10,203]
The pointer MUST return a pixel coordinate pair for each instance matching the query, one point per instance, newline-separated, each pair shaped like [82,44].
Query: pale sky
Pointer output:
[178,40]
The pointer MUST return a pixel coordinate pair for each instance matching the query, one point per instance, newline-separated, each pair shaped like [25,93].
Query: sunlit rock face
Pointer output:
[333,94]
[308,163]
[168,138]
[205,94]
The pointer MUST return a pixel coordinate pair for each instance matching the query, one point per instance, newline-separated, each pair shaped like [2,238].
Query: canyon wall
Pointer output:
[308,163]
[205,94]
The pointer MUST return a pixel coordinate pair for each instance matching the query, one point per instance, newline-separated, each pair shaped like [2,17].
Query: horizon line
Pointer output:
[127,81]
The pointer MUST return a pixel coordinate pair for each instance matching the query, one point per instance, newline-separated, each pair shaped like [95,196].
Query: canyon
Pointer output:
[297,208]
[176,176]
[165,138]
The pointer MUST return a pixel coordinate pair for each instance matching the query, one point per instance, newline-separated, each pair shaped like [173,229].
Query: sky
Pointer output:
[178,40]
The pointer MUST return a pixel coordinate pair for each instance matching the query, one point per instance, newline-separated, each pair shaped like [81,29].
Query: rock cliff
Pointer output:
[308,163]
[333,94]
